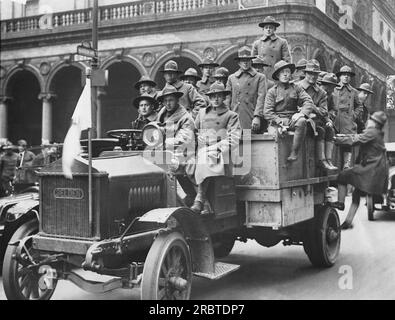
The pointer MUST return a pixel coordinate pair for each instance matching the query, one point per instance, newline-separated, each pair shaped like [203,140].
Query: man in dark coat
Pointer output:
[248,91]
[348,109]
[259,65]
[146,106]
[208,69]
[364,91]
[219,134]
[191,76]
[299,73]
[190,99]
[288,106]
[146,86]
[8,164]
[324,126]
[221,75]
[271,47]
[370,174]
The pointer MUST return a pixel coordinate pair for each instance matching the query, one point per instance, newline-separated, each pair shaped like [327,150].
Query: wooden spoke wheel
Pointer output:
[167,271]
[370,207]
[21,282]
[322,242]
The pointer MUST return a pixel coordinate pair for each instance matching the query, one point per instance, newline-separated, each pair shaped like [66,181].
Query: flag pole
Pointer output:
[92,131]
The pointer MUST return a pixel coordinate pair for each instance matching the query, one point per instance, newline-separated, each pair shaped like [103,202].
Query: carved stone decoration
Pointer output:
[45,67]
[20,63]
[3,71]
[148,59]
[210,53]
[177,49]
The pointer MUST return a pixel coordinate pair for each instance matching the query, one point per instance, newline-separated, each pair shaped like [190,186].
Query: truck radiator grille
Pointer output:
[64,207]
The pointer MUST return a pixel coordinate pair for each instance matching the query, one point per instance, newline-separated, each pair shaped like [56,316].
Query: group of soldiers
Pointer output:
[267,92]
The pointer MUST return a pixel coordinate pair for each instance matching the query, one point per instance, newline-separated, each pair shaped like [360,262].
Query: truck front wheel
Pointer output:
[21,282]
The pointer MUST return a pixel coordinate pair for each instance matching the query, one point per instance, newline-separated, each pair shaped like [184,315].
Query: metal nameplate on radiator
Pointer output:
[68,193]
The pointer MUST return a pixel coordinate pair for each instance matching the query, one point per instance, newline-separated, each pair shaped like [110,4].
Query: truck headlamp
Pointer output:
[153,135]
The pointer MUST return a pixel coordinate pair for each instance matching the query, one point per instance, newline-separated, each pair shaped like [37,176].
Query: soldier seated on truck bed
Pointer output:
[282,103]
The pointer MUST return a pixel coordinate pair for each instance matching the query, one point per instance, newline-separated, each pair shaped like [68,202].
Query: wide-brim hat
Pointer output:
[144,79]
[345,70]
[217,87]
[221,72]
[171,66]
[147,97]
[380,117]
[312,67]
[281,65]
[301,64]
[169,90]
[269,20]
[207,62]
[191,72]
[258,61]
[245,53]
[365,87]
[331,79]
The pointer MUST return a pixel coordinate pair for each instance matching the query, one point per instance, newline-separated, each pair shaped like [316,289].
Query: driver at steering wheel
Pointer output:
[146,106]
[180,135]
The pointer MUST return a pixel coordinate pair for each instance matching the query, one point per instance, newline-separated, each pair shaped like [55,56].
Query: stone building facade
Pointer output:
[40,80]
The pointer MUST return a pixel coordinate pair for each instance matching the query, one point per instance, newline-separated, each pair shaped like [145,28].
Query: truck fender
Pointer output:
[22,208]
[194,231]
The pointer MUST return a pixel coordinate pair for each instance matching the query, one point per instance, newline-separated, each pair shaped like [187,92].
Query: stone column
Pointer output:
[4,117]
[46,126]
[100,94]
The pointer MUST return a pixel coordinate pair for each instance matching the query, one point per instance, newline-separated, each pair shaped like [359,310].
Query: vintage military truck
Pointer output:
[139,233]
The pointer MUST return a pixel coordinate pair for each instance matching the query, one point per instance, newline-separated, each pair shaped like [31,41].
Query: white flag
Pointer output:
[81,120]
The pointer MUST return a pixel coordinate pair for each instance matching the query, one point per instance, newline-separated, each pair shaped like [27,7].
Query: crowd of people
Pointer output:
[267,92]
[16,162]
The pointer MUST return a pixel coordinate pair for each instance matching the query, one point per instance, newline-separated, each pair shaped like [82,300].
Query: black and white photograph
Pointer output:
[207,150]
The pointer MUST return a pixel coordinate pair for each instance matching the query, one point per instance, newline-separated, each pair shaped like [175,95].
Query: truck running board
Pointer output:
[221,270]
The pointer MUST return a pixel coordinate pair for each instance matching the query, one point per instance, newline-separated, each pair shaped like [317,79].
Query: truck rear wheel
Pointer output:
[21,283]
[370,207]
[167,273]
[322,242]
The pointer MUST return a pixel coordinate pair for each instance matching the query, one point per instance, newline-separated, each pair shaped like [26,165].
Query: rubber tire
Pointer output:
[223,247]
[153,264]
[370,207]
[10,264]
[314,243]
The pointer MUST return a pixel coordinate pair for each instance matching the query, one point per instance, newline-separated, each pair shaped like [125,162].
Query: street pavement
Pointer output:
[365,270]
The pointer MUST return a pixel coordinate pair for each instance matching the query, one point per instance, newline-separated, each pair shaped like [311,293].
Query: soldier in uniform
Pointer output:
[208,68]
[324,126]
[248,90]
[180,134]
[328,83]
[147,107]
[8,164]
[190,99]
[259,65]
[288,106]
[299,73]
[146,86]
[219,132]
[24,176]
[348,108]
[221,75]
[271,47]
[370,174]
[191,76]
[364,91]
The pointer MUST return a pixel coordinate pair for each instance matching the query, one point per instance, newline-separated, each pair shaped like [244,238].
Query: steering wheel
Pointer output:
[129,138]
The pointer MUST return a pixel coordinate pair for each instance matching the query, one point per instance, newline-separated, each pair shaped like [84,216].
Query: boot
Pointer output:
[347,160]
[200,199]
[329,145]
[320,145]
[297,142]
